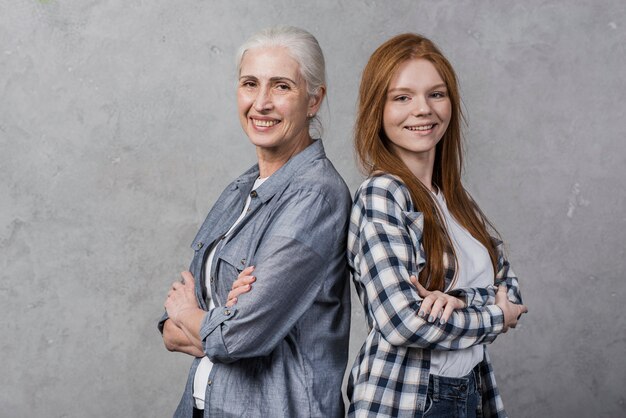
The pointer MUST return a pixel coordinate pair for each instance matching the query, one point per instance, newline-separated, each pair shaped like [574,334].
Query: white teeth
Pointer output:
[264,123]
[420,128]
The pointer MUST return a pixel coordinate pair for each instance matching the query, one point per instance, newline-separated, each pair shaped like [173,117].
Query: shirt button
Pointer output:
[227,312]
[199,245]
[253,193]
[243,261]
[212,280]
[419,406]
[209,382]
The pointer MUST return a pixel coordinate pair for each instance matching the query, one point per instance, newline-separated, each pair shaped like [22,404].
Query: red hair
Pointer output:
[374,153]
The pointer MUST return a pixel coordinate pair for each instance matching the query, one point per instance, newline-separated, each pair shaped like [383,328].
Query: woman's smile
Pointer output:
[264,123]
[421,128]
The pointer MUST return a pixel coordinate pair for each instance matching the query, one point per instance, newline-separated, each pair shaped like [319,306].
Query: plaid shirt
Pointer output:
[390,374]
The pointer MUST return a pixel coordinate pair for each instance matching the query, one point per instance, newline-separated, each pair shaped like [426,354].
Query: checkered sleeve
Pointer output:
[506,275]
[475,296]
[388,252]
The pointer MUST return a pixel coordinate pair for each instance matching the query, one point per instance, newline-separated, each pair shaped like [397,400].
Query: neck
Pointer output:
[272,159]
[421,165]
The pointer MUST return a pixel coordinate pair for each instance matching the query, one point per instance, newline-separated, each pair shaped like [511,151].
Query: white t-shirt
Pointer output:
[204,368]
[474,269]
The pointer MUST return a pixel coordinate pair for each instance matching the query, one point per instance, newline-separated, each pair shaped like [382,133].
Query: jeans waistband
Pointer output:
[453,387]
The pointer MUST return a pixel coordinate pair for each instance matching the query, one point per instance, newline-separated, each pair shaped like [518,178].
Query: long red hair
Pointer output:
[374,153]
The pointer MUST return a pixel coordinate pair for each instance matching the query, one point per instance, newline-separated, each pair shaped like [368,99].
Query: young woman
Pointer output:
[434,284]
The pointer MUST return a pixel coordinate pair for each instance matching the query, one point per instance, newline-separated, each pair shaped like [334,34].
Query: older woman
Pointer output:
[279,228]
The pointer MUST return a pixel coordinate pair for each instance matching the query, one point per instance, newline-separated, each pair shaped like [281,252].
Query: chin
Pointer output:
[262,142]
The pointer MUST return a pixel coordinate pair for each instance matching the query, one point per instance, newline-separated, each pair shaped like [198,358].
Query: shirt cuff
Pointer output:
[496,317]
[211,335]
[161,323]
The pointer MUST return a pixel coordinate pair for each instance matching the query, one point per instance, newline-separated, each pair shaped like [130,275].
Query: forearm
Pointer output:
[401,326]
[475,296]
[466,327]
[189,322]
[175,339]
[289,276]
[395,304]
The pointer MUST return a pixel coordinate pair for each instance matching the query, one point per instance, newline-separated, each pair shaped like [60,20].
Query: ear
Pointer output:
[315,101]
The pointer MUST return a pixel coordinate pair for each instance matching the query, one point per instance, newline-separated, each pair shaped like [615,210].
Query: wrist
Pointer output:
[180,316]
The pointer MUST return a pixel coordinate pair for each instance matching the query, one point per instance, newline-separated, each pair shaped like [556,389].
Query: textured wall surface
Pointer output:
[118,128]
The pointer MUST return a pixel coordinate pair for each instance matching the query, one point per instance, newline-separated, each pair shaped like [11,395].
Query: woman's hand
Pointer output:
[243,284]
[512,311]
[436,304]
[181,297]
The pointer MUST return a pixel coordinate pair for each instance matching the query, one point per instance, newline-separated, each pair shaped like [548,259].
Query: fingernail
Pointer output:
[431,318]
[442,321]
[421,314]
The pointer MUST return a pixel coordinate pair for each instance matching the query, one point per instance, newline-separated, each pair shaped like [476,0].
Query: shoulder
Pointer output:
[385,189]
[319,177]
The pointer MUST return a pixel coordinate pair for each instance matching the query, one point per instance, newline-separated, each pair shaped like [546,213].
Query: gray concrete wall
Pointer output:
[118,129]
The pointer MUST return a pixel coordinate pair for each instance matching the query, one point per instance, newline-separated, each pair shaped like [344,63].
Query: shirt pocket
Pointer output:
[230,259]
[235,252]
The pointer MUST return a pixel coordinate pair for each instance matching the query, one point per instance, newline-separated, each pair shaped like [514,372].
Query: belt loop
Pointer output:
[477,377]
[435,387]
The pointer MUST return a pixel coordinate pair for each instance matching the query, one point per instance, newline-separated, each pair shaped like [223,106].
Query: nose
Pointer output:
[422,107]
[263,99]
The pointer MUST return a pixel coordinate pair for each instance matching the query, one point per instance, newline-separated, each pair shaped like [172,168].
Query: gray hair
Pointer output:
[301,46]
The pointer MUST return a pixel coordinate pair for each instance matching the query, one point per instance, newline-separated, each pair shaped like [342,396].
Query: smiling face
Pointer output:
[417,112]
[273,101]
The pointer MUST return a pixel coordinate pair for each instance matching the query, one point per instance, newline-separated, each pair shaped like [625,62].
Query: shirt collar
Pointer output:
[282,177]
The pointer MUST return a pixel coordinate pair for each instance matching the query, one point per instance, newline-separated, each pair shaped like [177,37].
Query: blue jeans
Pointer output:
[454,397]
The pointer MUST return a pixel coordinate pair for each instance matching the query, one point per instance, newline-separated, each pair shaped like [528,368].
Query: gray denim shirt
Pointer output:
[281,351]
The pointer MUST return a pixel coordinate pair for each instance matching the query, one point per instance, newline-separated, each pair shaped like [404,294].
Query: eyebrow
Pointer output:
[406,89]
[272,79]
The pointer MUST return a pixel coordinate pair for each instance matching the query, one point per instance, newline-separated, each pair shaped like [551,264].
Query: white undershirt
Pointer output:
[204,368]
[474,269]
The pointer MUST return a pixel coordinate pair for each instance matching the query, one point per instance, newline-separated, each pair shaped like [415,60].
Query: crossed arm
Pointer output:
[384,250]
[290,268]
[180,330]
